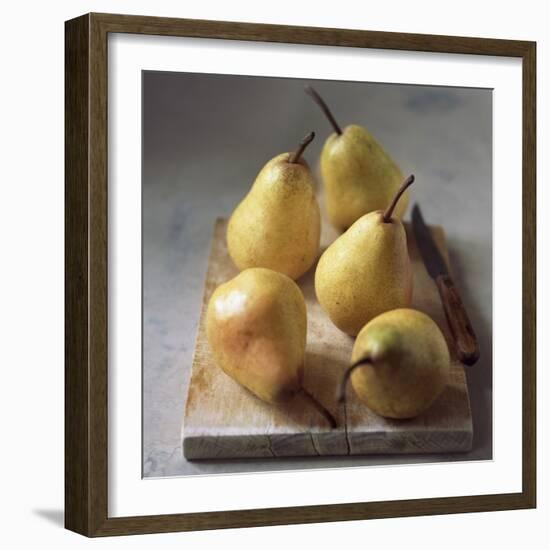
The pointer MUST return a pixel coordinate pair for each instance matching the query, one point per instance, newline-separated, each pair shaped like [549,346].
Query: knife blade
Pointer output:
[459,323]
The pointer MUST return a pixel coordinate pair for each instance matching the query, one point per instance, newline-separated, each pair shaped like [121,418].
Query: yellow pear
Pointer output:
[366,270]
[358,175]
[256,326]
[278,224]
[400,364]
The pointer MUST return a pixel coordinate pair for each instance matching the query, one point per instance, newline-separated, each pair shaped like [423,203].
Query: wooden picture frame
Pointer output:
[86,364]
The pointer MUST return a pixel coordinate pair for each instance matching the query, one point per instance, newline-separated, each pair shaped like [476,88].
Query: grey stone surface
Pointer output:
[204,139]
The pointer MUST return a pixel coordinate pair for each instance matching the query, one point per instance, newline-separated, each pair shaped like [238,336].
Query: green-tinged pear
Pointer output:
[400,364]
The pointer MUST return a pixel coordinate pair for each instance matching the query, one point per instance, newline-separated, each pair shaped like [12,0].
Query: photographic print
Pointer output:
[317,274]
[281,248]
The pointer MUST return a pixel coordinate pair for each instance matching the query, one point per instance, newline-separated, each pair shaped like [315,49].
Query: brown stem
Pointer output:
[341,393]
[389,211]
[324,107]
[321,408]
[295,157]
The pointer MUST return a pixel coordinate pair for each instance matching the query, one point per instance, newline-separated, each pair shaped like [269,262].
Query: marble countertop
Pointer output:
[204,139]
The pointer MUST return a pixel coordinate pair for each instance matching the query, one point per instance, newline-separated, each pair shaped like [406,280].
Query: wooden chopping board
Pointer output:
[224,420]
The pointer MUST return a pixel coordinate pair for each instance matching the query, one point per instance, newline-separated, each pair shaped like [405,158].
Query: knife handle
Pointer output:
[465,339]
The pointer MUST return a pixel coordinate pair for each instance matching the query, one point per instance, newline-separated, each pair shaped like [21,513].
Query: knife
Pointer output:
[463,334]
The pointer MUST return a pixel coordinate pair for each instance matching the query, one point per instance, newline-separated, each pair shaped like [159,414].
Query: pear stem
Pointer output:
[295,157]
[341,393]
[321,408]
[324,107]
[389,211]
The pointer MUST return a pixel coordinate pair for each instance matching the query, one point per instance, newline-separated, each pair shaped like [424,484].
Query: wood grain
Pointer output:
[224,420]
[77,485]
[465,340]
[86,253]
